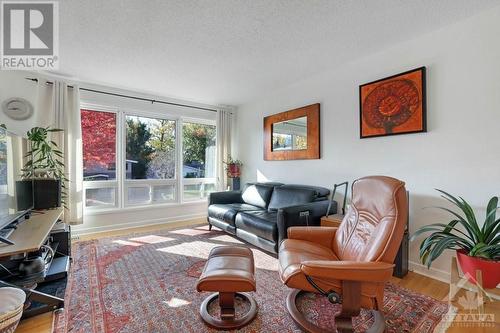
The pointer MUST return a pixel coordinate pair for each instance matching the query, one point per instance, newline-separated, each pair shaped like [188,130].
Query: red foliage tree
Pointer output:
[99,140]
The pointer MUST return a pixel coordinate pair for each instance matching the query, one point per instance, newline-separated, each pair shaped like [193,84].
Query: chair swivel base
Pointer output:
[301,321]
[228,319]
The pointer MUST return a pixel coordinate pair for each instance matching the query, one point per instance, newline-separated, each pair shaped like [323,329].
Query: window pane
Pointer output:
[98,197]
[163,193]
[150,148]
[99,145]
[197,191]
[138,195]
[198,142]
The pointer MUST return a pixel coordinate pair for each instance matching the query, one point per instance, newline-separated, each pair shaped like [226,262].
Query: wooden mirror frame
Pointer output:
[313,134]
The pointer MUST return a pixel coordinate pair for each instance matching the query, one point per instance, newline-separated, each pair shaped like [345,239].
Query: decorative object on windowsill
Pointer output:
[46,168]
[11,308]
[293,135]
[478,248]
[332,198]
[233,169]
[393,105]
[17,108]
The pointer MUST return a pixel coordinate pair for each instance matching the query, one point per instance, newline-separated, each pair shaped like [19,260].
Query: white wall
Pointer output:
[460,152]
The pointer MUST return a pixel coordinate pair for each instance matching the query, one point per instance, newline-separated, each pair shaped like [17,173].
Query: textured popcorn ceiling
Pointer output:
[232,51]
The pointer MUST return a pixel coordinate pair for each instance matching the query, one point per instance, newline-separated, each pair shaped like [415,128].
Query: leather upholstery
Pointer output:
[362,249]
[261,223]
[286,197]
[319,192]
[259,227]
[227,212]
[228,269]
[257,195]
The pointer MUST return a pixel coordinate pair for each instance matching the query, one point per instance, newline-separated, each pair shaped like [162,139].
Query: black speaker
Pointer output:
[47,193]
[61,234]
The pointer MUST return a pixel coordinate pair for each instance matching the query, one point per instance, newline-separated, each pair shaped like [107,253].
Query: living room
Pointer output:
[301,162]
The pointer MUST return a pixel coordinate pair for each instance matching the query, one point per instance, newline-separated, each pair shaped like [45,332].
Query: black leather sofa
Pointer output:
[262,213]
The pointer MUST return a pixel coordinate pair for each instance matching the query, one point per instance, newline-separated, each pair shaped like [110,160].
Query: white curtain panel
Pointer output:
[224,124]
[66,116]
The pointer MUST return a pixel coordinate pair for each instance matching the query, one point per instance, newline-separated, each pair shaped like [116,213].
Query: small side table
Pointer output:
[332,220]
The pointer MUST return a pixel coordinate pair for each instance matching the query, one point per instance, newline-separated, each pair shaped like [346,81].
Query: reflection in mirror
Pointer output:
[290,134]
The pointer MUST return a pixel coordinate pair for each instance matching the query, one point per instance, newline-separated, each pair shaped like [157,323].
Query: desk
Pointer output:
[29,236]
[31,233]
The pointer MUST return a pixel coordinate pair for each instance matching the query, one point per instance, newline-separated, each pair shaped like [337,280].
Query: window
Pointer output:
[150,160]
[198,154]
[99,158]
[135,159]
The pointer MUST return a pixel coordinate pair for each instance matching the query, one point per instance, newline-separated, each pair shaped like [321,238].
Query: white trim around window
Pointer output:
[155,192]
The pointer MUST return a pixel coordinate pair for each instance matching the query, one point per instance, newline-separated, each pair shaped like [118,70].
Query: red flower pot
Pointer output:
[490,269]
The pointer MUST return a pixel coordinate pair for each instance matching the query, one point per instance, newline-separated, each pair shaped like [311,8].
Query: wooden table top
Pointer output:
[31,233]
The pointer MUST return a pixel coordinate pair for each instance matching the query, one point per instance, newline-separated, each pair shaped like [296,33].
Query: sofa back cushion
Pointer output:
[257,195]
[284,197]
[320,193]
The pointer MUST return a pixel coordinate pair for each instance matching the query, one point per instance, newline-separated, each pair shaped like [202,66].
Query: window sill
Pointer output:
[92,212]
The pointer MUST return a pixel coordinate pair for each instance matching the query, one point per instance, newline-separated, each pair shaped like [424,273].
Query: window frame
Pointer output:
[121,185]
[194,181]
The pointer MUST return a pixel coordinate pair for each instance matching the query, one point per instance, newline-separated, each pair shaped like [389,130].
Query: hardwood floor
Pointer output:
[413,281]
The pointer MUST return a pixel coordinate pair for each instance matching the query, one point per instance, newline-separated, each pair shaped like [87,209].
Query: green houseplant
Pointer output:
[45,165]
[478,247]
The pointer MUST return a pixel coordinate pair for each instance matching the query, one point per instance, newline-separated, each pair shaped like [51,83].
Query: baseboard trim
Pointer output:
[81,231]
[434,273]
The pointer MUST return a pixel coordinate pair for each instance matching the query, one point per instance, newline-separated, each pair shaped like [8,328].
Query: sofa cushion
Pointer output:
[319,192]
[257,195]
[227,212]
[260,223]
[286,197]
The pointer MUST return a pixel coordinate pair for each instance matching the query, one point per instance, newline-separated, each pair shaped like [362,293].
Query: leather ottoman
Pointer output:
[229,271]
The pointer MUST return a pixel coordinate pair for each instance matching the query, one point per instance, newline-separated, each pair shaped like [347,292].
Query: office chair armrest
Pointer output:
[320,235]
[361,271]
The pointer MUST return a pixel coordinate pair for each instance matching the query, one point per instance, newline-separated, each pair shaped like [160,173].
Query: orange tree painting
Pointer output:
[393,105]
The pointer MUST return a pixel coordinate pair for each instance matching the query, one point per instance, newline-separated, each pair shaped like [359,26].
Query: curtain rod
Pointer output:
[133,97]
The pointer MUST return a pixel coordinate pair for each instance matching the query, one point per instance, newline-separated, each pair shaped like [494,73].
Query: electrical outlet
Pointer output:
[305,213]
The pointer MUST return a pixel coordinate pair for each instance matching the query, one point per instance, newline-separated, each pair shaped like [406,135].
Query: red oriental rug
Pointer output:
[146,283]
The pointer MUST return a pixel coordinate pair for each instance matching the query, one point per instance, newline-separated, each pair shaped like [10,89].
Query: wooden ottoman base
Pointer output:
[228,319]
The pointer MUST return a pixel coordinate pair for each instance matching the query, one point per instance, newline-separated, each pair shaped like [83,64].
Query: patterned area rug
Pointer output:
[146,283]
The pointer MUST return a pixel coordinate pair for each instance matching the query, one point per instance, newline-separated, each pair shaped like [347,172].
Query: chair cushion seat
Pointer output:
[228,269]
[227,212]
[260,223]
[293,252]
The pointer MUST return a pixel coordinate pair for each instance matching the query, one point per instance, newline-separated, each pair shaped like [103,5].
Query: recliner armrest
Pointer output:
[362,271]
[294,216]
[319,235]
[226,197]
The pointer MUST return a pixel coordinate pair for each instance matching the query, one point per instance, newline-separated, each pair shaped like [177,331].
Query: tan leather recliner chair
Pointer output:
[349,264]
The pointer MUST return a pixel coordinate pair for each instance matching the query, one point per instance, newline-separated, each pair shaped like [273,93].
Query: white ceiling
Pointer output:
[231,51]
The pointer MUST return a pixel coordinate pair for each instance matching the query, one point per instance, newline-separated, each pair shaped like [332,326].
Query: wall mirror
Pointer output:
[292,135]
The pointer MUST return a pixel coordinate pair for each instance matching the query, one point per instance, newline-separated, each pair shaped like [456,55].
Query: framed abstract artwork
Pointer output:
[393,105]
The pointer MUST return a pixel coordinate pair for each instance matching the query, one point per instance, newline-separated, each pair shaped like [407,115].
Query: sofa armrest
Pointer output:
[320,235]
[296,216]
[361,271]
[226,197]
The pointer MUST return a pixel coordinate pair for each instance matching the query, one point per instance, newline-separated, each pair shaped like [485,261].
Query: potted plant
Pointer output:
[45,166]
[233,167]
[478,247]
